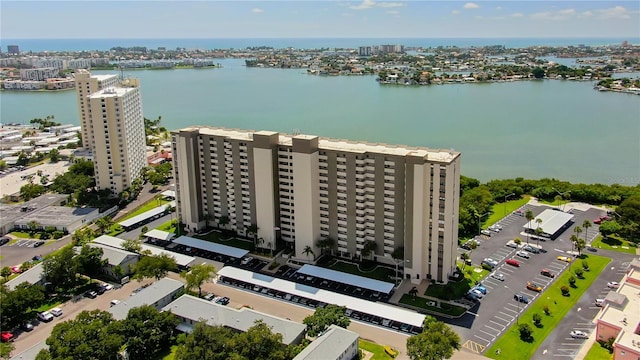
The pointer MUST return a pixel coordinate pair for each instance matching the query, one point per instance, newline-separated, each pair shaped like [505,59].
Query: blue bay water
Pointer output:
[534,129]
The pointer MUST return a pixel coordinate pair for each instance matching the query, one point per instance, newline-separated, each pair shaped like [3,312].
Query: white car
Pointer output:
[491,261]
[599,302]
[497,276]
[106,286]
[577,334]
[523,254]
[477,293]
[45,316]
[246,260]
[115,302]
[512,244]
[613,285]
[56,312]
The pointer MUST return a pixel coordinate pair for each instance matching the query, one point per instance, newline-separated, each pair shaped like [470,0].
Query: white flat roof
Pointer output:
[346,278]
[31,276]
[159,234]
[148,296]
[309,292]
[114,242]
[211,246]
[552,221]
[146,215]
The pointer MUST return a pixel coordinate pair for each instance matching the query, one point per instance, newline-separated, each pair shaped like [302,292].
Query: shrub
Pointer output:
[487,267]
[525,332]
[274,265]
[565,290]
[546,310]
[579,273]
[572,281]
[585,265]
[537,319]
[58,234]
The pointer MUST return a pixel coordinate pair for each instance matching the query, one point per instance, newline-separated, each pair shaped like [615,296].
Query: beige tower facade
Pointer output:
[87,84]
[298,189]
[117,132]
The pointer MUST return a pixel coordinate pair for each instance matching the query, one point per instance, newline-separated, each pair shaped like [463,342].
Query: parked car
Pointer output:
[521,298]
[38,244]
[564,258]
[599,302]
[45,316]
[28,326]
[577,334]
[480,288]
[6,336]
[209,296]
[519,212]
[523,254]
[491,261]
[91,294]
[513,262]
[547,273]
[531,249]
[115,302]
[613,285]
[56,312]
[497,276]
[512,244]
[485,232]
[223,301]
[534,286]
[106,286]
[4,240]
[246,260]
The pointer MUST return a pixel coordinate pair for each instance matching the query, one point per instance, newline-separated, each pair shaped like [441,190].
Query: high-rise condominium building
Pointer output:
[113,127]
[298,189]
[87,84]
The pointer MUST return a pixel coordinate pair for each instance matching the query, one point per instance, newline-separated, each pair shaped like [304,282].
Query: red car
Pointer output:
[6,336]
[513,262]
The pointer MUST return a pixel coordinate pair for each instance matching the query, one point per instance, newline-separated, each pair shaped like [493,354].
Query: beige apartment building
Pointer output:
[87,84]
[298,189]
[112,128]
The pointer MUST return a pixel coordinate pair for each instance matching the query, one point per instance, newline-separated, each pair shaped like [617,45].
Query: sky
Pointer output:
[87,19]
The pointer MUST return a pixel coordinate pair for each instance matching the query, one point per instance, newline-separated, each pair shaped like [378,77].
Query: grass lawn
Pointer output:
[23,235]
[214,236]
[379,273]
[597,352]
[500,210]
[423,303]
[376,349]
[614,243]
[455,290]
[510,344]
[168,227]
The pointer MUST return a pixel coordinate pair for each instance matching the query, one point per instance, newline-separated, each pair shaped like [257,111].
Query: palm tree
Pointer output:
[577,230]
[529,215]
[368,248]
[104,223]
[223,221]
[580,244]
[538,231]
[574,240]
[464,256]
[586,224]
[308,250]
[253,230]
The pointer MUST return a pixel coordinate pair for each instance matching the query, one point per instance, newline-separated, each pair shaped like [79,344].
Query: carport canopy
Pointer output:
[364,306]
[211,246]
[146,215]
[552,221]
[159,234]
[346,278]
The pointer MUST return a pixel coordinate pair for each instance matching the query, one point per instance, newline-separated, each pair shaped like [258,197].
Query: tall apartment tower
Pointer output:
[298,189]
[87,84]
[113,128]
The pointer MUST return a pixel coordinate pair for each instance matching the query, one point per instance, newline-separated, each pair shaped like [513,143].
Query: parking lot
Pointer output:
[499,309]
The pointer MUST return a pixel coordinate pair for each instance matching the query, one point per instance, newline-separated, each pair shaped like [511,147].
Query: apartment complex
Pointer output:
[620,316]
[112,128]
[298,189]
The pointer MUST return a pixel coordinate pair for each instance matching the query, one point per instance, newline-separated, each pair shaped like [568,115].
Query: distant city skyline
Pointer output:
[318,19]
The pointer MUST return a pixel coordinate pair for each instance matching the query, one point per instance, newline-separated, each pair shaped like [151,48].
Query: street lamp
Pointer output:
[505,202]
[518,301]
[480,217]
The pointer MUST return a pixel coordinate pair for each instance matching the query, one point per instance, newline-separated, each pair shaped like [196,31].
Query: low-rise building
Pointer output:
[117,258]
[190,310]
[63,218]
[335,344]
[620,317]
[33,276]
[158,294]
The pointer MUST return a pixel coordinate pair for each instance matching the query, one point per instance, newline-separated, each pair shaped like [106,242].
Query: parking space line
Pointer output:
[494,329]
[488,333]
[498,325]
[481,338]
[505,320]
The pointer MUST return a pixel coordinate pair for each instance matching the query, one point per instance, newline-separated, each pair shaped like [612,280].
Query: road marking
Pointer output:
[494,329]
[474,314]
[498,325]
[484,332]
[505,320]
[480,337]
[474,346]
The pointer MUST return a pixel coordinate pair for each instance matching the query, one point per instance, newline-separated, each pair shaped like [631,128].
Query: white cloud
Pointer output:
[257,10]
[455,12]
[499,8]
[554,15]
[368,4]
[516,15]
[618,12]
[470,5]
[393,12]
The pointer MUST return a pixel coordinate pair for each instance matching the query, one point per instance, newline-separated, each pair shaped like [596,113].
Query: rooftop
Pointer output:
[57,215]
[111,92]
[193,308]
[552,221]
[10,213]
[148,296]
[116,243]
[113,256]
[439,155]
[626,316]
[330,345]
[31,276]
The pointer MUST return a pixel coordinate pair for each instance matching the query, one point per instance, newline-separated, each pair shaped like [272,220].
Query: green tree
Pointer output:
[586,224]
[259,342]
[436,341]
[154,266]
[252,230]
[54,155]
[525,332]
[6,349]
[30,191]
[464,257]
[322,318]
[608,228]
[91,335]
[82,236]
[148,332]
[538,73]
[90,261]
[60,268]
[5,271]
[198,275]
[16,304]
[223,221]
[104,223]
[132,245]
[368,249]
[205,342]
[309,251]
